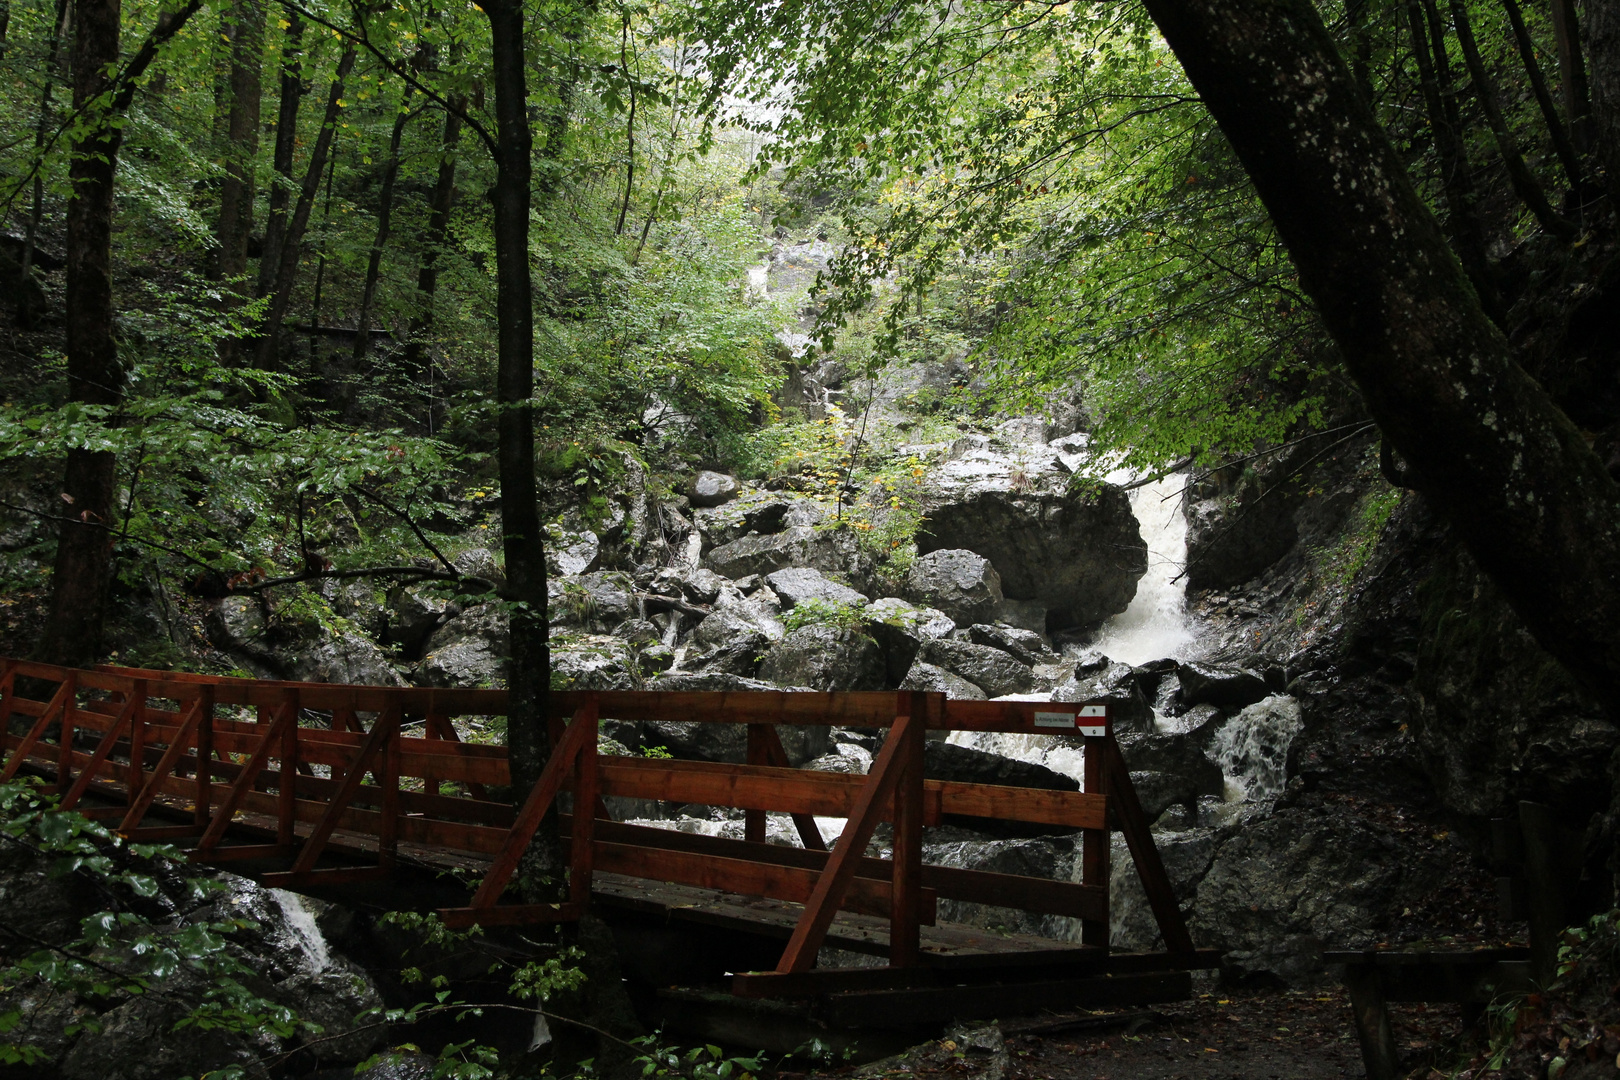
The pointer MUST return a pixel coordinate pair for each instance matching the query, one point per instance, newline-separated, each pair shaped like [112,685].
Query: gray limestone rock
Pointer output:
[900,629]
[823,658]
[468,650]
[958,582]
[1227,687]
[711,488]
[924,676]
[1080,552]
[797,546]
[798,584]
[990,669]
[1116,687]
[1025,646]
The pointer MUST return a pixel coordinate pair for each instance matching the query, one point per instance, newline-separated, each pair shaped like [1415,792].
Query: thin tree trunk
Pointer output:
[1572,71]
[1527,496]
[1455,181]
[26,315]
[385,210]
[320,262]
[287,267]
[5,25]
[629,127]
[438,230]
[84,549]
[529,678]
[1525,184]
[292,94]
[1603,42]
[236,193]
[1538,85]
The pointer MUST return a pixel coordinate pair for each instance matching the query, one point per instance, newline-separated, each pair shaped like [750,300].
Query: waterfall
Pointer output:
[1156,625]
[306,934]
[1252,748]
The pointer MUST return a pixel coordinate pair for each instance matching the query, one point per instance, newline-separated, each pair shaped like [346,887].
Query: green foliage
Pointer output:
[834,614]
[1339,564]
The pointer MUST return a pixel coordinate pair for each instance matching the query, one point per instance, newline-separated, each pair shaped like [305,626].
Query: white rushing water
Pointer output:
[1252,748]
[1156,624]
[301,921]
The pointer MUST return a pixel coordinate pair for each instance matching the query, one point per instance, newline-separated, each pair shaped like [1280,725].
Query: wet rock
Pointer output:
[1028,615]
[238,624]
[800,545]
[964,764]
[468,650]
[798,584]
[413,613]
[1115,686]
[1172,753]
[1025,429]
[757,513]
[958,582]
[637,632]
[824,658]
[1187,856]
[900,629]
[597,602]
[134,1041]
[711,488]
[1025,646]
[593,662]
[925,676]
[1305,879]
[1227,687]
[480,563]
[694,584]
[655,657]
[1079,553]
[344,658]
[1253,747]
[738,620]
[990,669]
[571,551]
[740,654]
[401,1065]
[1231,539]
[1052,858]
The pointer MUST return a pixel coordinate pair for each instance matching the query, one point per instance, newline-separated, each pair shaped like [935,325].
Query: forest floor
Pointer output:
[1228,1035]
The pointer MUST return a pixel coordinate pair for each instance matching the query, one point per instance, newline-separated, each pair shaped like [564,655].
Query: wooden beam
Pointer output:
[582,853]
[775,754]
[800,954]
[1095,841]
[534,810]
[904,941]
[508,915]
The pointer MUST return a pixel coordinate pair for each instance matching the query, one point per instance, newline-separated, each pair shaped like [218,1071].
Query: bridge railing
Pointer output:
[252,752]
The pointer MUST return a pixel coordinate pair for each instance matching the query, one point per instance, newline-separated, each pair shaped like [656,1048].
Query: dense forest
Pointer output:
[396,344]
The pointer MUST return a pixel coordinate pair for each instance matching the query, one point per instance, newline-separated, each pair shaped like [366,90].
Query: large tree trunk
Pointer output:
[292,92]
[529,681]
[1530,500]
[1603,46]
[241,149]
[84,550]
[287,265]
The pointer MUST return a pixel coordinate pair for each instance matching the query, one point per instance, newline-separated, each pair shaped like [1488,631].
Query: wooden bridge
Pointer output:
[326,788]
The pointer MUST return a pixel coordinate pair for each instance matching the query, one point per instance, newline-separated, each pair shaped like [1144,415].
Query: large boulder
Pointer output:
[964,764]
[1079,552]
[1186,856]
[936,680]
[824,658]
[711,488]
[900,629]
[596,602]
[468,650]
[414,612]
[799,583]
[344,658]
[1026,646]
[990,669]
[1169,770]
[1052,858]
[958,582]
[699,741]
[800,545]
[1231,688]
[757,513]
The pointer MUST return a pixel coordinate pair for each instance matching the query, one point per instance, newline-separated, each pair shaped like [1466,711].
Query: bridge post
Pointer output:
[759,753]
[906,880]
[137,745]
[287,782]
[1095,842]
[582,850]
[205,754]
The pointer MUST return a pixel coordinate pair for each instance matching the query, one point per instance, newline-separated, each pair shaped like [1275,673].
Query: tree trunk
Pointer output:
[1525,184]
[241,149]
[438,230]
[1455,182]
[1603,46]
[1572,71]
[292,93]
[287,266]
[26,315]
[529,681]
[72,632]
[1538,85]
[385,211]
[1528,497]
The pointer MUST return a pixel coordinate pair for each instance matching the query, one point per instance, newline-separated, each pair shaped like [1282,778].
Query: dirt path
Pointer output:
[1272,1035]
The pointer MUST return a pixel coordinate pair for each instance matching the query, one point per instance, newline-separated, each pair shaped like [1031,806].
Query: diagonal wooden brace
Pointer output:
[165,766]
[870,807]
[108,740]
[1155,882]
[285,714]
[57,704]
[534,809]
[376,741]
